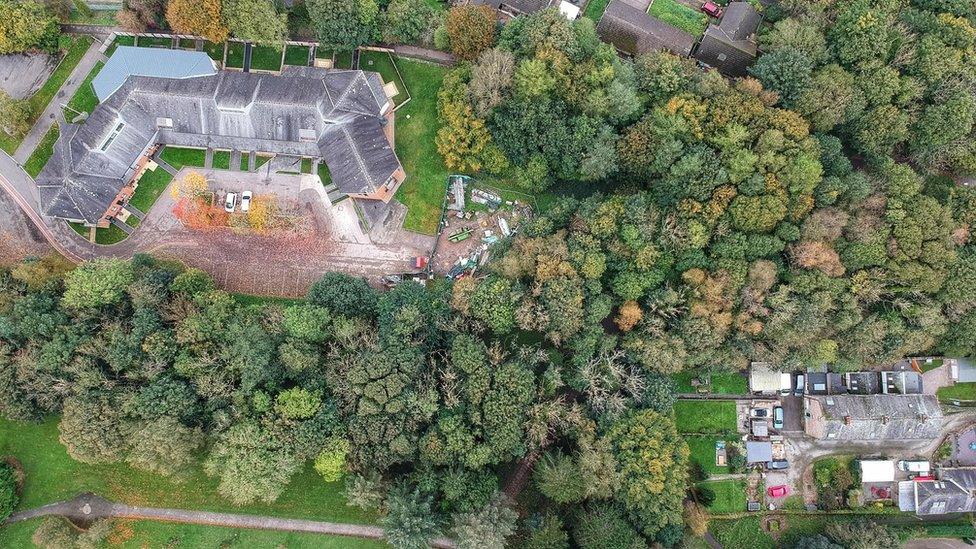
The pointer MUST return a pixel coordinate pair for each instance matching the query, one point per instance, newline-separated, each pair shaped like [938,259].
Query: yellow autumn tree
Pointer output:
[191,185]
[260,215]
[199,17]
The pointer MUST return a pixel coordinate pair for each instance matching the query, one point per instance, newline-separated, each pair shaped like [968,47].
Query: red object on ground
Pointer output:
[778,491]
[923,477]
[421,262]
[711,9]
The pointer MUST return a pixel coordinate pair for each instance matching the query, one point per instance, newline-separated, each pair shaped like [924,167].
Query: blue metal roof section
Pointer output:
[162,63]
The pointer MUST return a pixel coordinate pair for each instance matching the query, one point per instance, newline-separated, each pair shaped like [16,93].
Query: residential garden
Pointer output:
[680,15]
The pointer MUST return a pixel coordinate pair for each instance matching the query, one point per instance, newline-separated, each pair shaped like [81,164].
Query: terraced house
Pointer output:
[341,117]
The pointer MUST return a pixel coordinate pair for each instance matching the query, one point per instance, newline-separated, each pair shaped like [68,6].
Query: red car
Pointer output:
[711,9]
[778,491]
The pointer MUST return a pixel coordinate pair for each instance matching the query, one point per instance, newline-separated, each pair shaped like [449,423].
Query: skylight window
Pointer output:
[111,137]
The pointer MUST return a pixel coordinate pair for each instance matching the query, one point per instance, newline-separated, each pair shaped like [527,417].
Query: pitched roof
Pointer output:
[954,492]
[131,61]
[763,379]
[877,470]
[633,31]
[228,110]
[758,452]
[730,46]
[873,417]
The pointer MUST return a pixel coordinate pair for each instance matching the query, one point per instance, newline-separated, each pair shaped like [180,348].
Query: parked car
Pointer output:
[711,9]
[778,464]
[778,417]
[778,491]
[246,201]
[914,466]
[800,378]
[785,384]
[230,202]
[759,412]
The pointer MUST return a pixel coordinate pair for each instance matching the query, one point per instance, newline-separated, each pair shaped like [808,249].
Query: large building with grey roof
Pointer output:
[341,117]
[873,417]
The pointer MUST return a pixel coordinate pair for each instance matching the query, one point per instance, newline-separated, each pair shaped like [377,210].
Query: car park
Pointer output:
[230,202]
[778,417]
[246,201]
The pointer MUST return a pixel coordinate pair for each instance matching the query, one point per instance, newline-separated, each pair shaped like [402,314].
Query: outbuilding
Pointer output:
[877,471]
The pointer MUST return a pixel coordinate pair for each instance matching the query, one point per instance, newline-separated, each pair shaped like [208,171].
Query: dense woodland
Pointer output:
[807,215]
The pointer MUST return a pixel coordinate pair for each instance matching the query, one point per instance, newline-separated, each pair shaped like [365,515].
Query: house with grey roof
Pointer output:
[341,117]
[730,46]
[953,492]
[872,417]
[629,28]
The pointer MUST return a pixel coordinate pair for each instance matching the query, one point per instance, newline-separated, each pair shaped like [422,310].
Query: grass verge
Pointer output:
[179,157]
[705,416]
[423,191]
[84,99]
[38,159]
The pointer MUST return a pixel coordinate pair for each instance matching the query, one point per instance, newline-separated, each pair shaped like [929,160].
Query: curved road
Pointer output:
[89,507]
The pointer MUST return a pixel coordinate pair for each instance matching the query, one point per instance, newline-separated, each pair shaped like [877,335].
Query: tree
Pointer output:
[559,478]
[138,15]
[15,114]
[344,295]
[816,542]
[696,518]
[862,534]
[652,460]
[409,522]
[491,78]
[53,532]
[409,22]
[486,528]
[602,525]
[251,465]
[201,17]
[191,185]
[297,403]
[331,461]
[546,532]
[97,283]
[255,20]
[471,29]
[92,429]
[344,24]
[26,25]
[8,491]
[164,446]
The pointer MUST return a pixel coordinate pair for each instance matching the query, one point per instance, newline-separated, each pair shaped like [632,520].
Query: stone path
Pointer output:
[53,110]
[90,507]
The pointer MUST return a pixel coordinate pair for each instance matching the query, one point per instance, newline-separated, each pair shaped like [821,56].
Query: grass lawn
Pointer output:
[245,161]
[929,366]
[959,391]
[343,60]
[730,496]
[216,51]
[97,17]
[382,63]
[51,475]
[324,174]
[306,165]
[703,451]
[235,55]
[423,191]
[151,185]
[79,228]
[266,58]
[188,43]
[154,42]
[679,15]
[296,55]
[323,53]
[260,160]
[110,235]
[730,383]
[120,41]
[84,100]
[594,10]
[179,157]
[35,163]
[221,160]
[38,102]
[705,416]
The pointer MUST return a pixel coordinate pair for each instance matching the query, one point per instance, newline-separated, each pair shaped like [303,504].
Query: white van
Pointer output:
[919,466]
[785,384]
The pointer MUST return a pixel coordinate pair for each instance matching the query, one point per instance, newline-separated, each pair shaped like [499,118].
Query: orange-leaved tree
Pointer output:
[199,17]
[190,185]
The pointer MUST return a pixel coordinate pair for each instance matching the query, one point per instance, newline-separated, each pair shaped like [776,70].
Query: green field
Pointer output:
[37,160]
[703,451]
[679,15]
[235,55]
[51,475]
[296,55]
[267,58]
[959,391]
[705,416]
[220,160]
[730,496]
[84,100]
[423,191]
[39,101]
[179,157]
[151,185]
[383,63]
